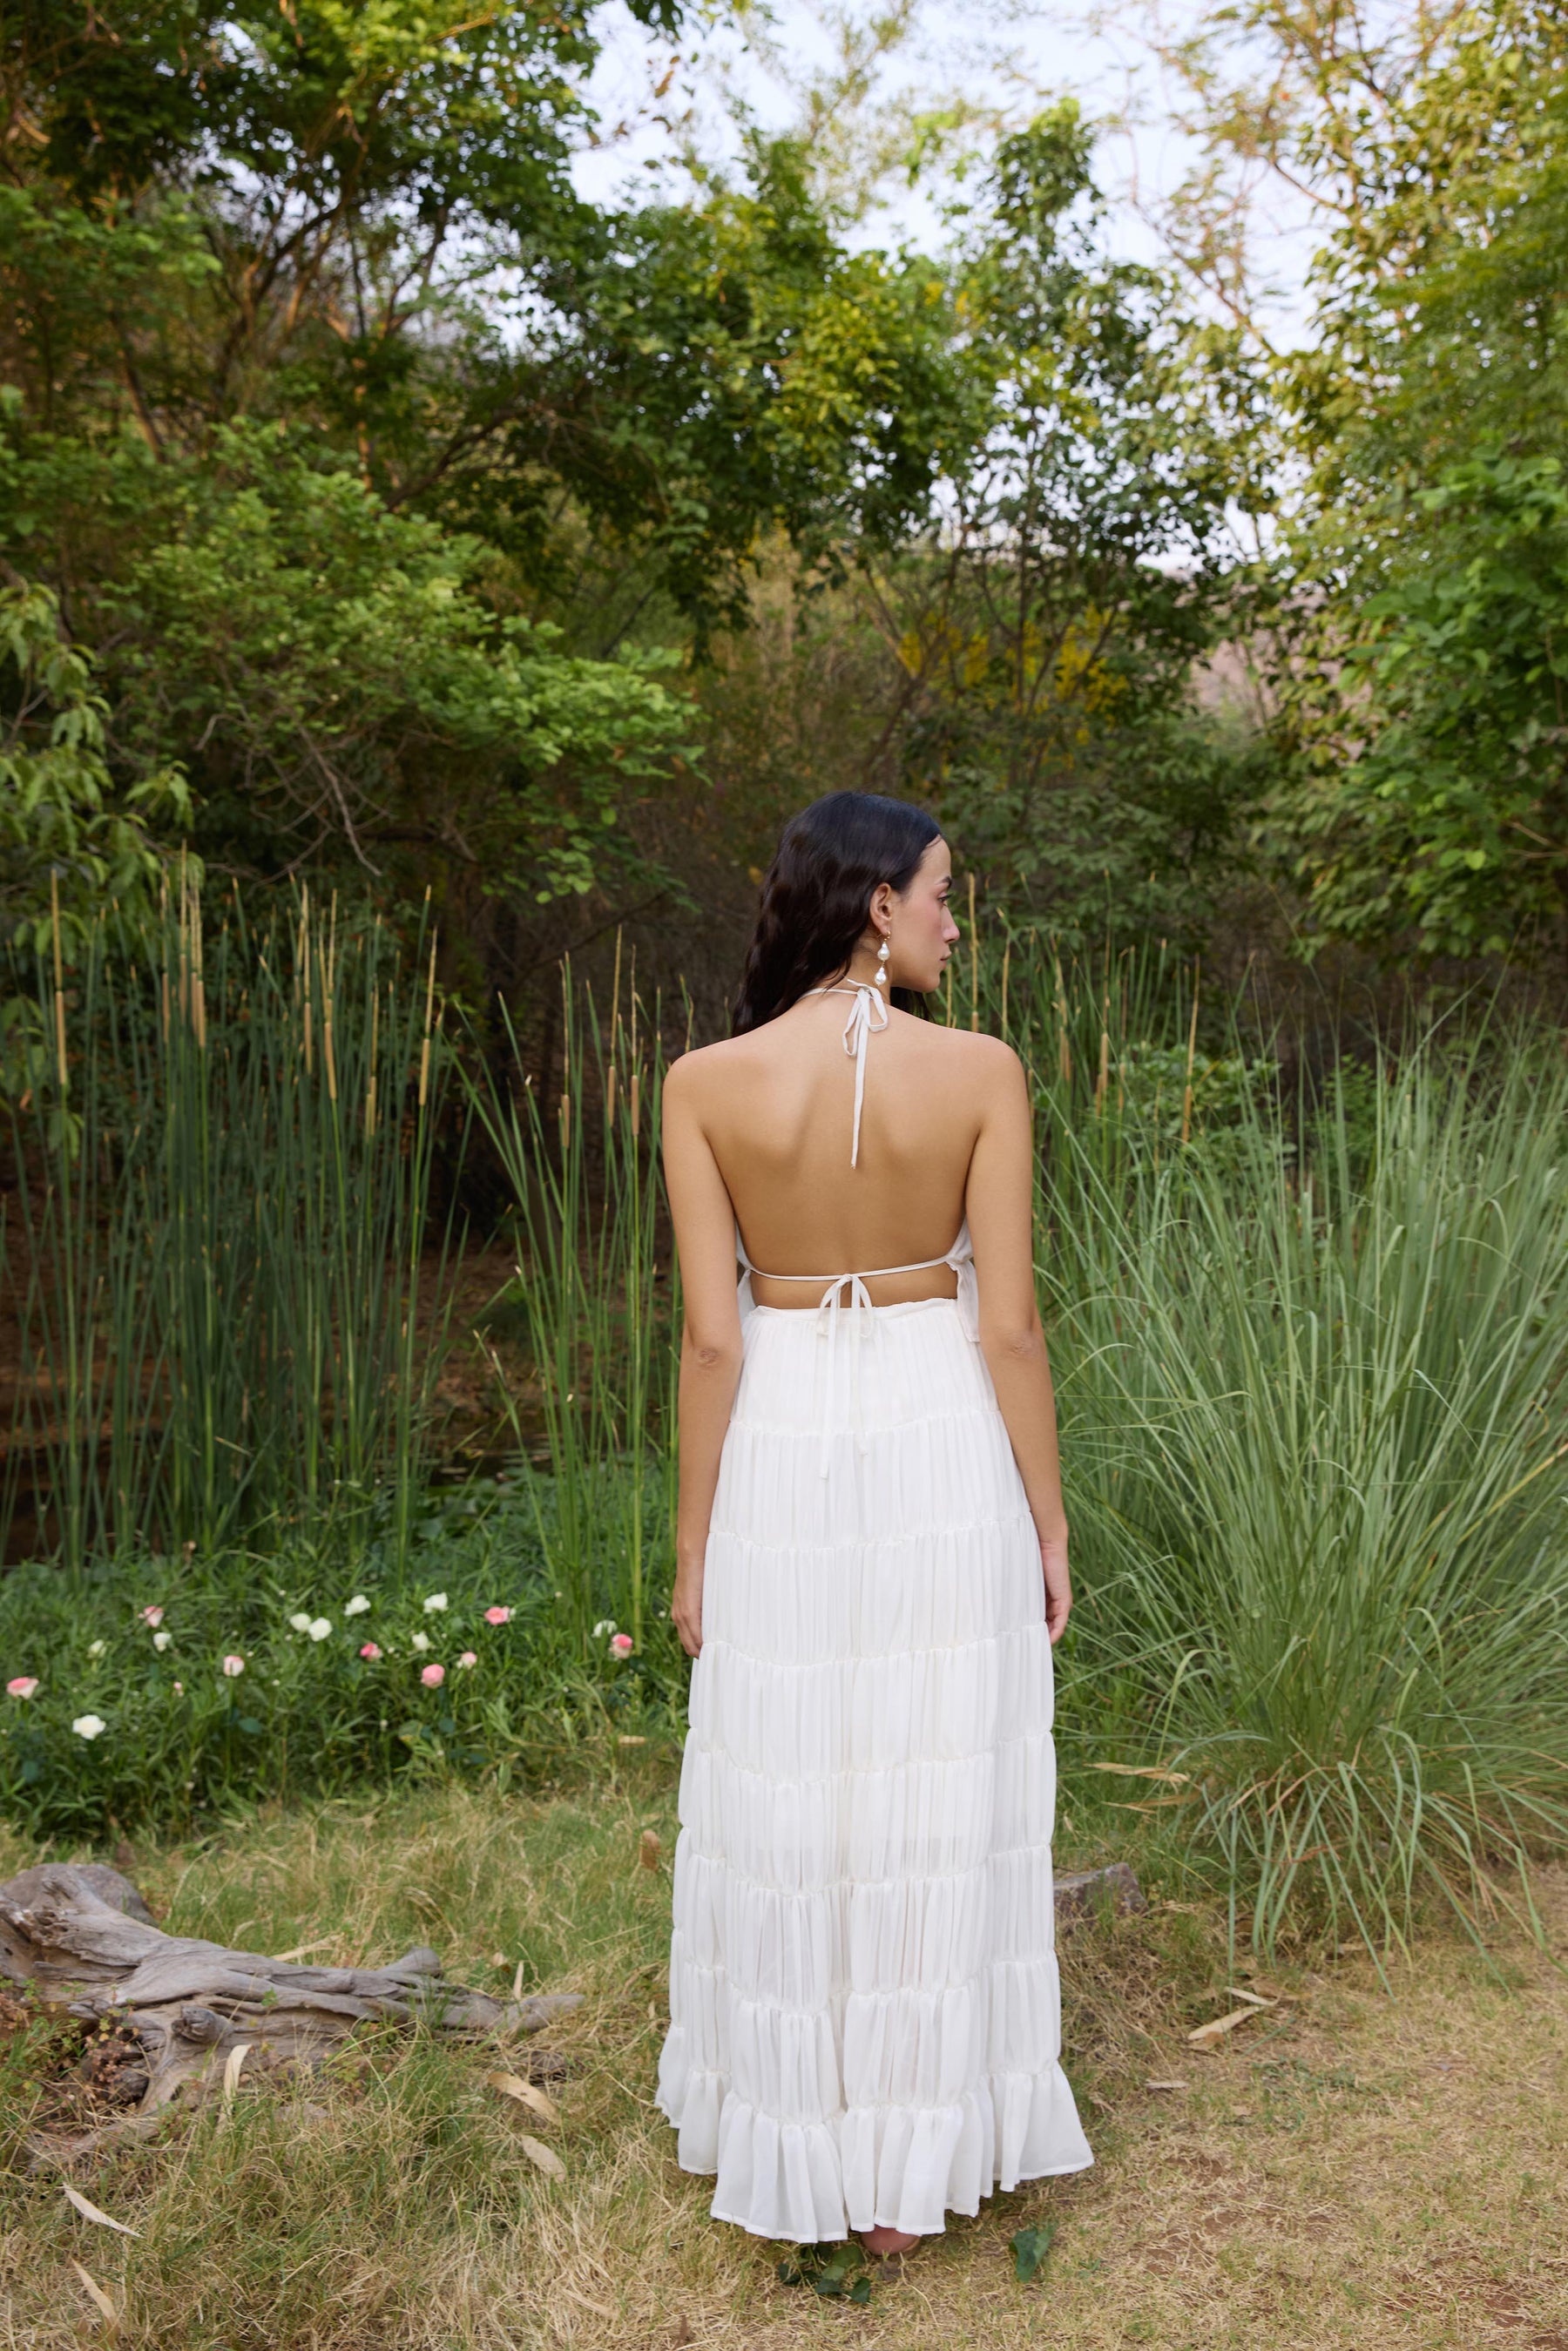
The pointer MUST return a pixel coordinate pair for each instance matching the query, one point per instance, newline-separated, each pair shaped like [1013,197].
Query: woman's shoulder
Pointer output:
[974,1050]
[700,1065]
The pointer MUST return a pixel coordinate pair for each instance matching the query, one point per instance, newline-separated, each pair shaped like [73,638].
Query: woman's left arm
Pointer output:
[704,1220]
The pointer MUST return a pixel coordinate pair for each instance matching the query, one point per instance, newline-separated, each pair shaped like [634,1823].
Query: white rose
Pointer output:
[96,1648]
[318,1628]
[163,1640]
[87,1726]
[300,1622]
[433,1600]
[357,1605]
[420,1640]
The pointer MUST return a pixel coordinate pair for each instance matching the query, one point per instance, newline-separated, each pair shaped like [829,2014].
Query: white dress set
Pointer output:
[865,2017]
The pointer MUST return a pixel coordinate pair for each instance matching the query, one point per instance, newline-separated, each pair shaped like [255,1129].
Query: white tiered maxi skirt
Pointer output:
[865,2017]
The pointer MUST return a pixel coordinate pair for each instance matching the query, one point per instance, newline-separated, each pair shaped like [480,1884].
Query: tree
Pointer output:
[1086,561]
[1421,802]
[354,445]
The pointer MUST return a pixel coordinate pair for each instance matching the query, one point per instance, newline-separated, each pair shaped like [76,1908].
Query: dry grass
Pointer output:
[1350,2171]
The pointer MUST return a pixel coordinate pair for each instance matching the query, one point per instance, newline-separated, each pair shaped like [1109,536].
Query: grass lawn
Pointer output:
[1350,2170]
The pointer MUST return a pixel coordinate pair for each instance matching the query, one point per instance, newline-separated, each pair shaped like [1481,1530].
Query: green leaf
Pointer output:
[1030,2247]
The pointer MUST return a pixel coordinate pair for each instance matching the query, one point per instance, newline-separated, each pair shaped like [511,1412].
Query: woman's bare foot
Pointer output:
[884,2242]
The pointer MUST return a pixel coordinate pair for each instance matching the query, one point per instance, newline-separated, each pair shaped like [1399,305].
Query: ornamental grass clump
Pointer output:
[1314,1421]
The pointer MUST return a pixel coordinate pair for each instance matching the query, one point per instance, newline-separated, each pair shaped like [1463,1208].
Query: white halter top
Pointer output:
[960,1256]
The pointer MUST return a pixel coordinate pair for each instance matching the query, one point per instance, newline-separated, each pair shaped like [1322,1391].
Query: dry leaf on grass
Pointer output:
[233,2063]
[548,2162]
[1207,2034]
[648,1851]
[1165,2086]
[1143,1771]
[583,2303]
[512,2085]
[97,2293]
[90,2212]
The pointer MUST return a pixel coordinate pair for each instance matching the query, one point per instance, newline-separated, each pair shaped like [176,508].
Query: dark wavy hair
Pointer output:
[816,898]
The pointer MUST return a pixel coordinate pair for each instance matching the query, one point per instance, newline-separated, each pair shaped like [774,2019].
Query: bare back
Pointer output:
[776,1108]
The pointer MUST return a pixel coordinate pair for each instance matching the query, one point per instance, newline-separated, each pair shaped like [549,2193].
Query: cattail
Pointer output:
[974,962]
[370,1089]
[198,979]
[564,1115]
[636,1103]
[305,972]
[1007,959]
[329,1063]
[59,979]
[424,1048]
[610,1097]
[1065,1050]
[1191,1056]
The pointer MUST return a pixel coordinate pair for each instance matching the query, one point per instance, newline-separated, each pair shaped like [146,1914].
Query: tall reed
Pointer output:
[227,1187]
[600,1311]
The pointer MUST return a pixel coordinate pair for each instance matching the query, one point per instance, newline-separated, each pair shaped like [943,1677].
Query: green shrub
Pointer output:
[138,1645]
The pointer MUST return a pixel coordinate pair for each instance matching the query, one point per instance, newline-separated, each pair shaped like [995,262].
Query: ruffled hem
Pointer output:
[871,2166]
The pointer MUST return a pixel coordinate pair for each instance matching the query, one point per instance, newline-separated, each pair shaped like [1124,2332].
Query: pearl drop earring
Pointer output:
[879,976]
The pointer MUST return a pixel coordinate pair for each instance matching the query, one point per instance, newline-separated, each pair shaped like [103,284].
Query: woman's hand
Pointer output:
[686,1606]
[1057,1585]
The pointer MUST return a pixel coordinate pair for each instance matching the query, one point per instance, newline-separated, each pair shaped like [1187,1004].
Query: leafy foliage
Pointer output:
[1048,636]
[1449,824]
[66,833]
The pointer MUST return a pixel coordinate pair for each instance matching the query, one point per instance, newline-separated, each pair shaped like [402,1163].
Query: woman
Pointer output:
[871,1571]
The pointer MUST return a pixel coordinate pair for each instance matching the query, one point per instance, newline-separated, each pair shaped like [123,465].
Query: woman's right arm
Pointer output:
[999,1203]
[704,1222]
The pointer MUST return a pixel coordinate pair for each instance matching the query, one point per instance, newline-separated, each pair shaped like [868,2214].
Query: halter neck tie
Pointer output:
[857,1028]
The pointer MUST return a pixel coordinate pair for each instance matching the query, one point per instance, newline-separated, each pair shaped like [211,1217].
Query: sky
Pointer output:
[1001,58]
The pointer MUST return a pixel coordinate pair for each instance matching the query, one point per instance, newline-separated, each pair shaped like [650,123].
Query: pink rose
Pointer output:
[620,1644]
[153,1615]
[23,1687]
[497,1615]
[233,1665]
[468,1658]
[370,1650]
[433,1676]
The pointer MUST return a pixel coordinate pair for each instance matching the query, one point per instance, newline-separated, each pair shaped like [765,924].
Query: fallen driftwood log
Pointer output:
[189,2011]
[1081,1891]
